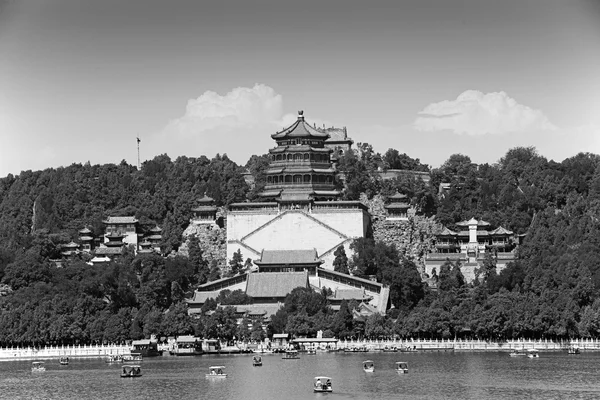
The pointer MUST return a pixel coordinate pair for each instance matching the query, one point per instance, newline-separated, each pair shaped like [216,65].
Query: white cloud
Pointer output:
[238,123]
[476,113]
[241,108]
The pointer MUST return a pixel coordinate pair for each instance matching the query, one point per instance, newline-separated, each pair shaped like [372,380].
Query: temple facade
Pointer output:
[293,231]
[469,243]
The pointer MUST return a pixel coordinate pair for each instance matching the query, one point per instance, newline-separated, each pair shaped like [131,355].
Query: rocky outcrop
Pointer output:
[414,237]
[212,240]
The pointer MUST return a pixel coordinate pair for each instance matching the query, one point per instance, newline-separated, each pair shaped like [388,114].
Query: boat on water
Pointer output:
[533,353]
[362,349]
[573,350]
[131,358]
[216,372]
[38,366]
[145,348]
[291,355]
[387,349]
[368,366]
[322,384]
[257,361]
[64,361]
[188,346]
[114,359]
[408,349]
[518,353]
[311,352]
[402,367]
[131,371]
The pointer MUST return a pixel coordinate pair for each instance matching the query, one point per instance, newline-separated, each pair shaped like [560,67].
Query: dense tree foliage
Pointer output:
[552,291]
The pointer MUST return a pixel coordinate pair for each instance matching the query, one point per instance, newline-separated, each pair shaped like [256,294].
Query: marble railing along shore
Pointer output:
[15,353]
[473,345]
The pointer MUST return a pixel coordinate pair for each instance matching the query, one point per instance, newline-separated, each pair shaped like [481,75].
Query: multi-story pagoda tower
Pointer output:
[300,168]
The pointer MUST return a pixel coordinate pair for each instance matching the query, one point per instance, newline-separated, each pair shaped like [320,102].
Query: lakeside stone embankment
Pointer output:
[51,352]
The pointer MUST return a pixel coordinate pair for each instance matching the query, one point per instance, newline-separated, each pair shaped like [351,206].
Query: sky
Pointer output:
[80,80]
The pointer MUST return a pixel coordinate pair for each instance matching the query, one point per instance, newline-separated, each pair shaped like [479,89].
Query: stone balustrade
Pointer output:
[7,353]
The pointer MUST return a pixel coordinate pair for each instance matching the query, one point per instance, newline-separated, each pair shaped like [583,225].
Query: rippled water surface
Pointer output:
[431,376]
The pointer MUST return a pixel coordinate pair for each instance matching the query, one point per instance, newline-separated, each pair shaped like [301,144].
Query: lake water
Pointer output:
[459,375]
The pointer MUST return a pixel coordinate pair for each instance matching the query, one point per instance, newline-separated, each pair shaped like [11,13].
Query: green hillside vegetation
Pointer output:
[553,291]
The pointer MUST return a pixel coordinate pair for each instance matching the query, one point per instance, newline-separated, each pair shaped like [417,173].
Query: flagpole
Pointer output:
[138,149]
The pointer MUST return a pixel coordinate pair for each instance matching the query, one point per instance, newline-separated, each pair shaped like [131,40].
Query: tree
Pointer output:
[197,261]
[340,264]
[257,333]
[236,263]
[215,272]
[342,324]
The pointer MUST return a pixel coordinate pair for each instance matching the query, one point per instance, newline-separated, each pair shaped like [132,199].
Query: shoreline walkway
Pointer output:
[98,351]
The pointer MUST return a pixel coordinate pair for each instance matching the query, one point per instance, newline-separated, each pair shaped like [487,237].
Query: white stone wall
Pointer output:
[295,230]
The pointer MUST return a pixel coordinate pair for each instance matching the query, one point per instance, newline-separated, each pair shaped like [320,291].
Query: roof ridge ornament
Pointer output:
[301,115]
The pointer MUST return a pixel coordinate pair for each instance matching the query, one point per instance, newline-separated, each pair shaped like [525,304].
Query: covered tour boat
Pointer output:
[64,361]
[518,353]
[257,361]
[216,372]
[114,359]
[131,371]
[368,366]
[145,348]
[573,350]
[533,353]
[132,358]
[37,366]
[291,355]
[402,367]
[323,384]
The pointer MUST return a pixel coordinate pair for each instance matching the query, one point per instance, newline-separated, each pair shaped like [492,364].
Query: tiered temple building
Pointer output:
[469,243]
[293,231]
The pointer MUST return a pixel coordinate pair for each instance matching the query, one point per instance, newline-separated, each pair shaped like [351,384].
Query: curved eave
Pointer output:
[300,129]
[302,148]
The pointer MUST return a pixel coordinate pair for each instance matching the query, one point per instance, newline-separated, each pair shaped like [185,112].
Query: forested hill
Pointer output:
[62,201]
[552,291]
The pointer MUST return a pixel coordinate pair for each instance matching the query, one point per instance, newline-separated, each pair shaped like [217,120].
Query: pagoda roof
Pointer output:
[501,231]
[393,206]
[205,199]
[300,169]
[447,232]
[204,209]
[70,245]
[299,148]
[156,229]
[86,238]
[294,197]
[120,220]
[397,196]
[288,257]
[473,221]
[85,230]
[300,128]
[275,284]
[154,237]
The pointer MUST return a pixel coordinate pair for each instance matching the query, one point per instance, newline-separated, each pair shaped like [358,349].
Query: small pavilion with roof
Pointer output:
[469,243]
[397,207]
[86,239]
[205,212]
